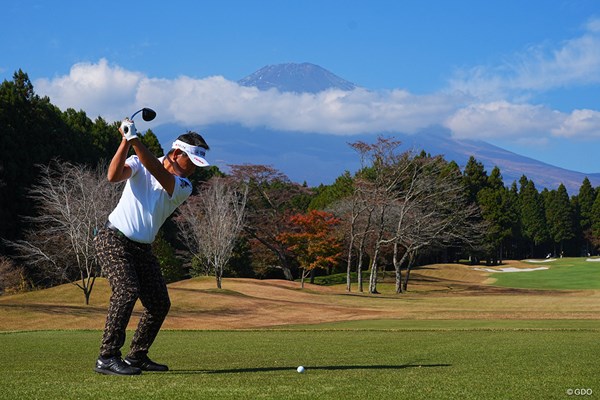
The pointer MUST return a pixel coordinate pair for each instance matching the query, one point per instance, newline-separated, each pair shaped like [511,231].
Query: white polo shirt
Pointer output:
[144,205]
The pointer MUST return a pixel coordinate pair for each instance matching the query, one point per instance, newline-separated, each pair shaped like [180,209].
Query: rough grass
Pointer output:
[439,292]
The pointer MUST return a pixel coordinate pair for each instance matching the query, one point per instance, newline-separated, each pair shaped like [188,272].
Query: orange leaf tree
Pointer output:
[313,240]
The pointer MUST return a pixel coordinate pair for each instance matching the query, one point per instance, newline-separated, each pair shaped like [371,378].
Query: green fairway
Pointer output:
[566,273]
[465,324]
[341,364]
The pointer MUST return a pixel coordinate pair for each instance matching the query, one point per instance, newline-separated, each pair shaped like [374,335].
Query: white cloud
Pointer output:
[98,89]
[523,123]
[502,119]
[537,69]
[580,123]
[113,93]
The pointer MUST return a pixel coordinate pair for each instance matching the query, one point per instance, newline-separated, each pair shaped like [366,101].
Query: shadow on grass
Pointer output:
[308,368]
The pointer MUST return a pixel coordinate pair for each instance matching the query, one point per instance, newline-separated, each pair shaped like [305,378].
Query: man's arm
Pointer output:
[117,170]
[154,166]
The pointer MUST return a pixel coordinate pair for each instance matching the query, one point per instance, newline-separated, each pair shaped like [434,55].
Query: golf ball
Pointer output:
[300,369]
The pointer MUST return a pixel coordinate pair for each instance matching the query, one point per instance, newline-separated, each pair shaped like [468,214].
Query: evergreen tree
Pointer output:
[560,217]
[499,211]
[475,178]
[327,195]
[150,140]
[105,139]
[32,132]
[595,222]
[533,219]
[582,207]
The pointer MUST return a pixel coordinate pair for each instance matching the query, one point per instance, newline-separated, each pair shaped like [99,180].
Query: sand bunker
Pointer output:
[541,261]
[511,269]
[592,259]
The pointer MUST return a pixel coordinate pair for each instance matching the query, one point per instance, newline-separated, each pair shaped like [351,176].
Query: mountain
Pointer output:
[439,141]
[317,158]
[299,78]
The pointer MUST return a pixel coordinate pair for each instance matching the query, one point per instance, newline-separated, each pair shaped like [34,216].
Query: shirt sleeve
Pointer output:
[182,190]
[134,163]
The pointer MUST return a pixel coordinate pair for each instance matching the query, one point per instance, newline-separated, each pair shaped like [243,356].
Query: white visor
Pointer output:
[195,153]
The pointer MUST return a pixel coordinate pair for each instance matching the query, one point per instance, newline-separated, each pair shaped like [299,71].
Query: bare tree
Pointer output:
[431,211]
[356,213]
[414,202]
[72,203]
[387,170]
[211,221]
[12,277]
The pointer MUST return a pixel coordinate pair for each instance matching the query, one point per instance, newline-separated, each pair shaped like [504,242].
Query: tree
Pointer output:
[270,203]
[595,222]
[475,178]
[327,195]
[170,266]
[30,121]
[356,213]
[499,210]
[583,204]
[312,240]
[73,202]
[12,277]
[533,218]
[431,211]
[151,142]
[384,168]
[211,222]
[559,216]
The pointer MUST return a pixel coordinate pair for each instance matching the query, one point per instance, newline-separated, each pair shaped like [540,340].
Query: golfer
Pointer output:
[154,189]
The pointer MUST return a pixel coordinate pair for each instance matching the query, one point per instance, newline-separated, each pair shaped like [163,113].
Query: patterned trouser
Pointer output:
[133,272]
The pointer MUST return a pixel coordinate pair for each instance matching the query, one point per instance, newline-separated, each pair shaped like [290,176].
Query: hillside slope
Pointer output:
[437,292]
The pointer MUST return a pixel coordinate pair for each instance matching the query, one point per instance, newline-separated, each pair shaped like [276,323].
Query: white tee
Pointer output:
[144,205]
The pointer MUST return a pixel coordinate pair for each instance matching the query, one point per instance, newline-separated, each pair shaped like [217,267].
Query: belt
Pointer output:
[113,228]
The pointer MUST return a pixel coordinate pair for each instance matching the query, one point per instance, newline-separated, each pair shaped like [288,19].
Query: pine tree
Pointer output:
[583,203]
[533,219]
[499,211]
[560,217]
[475,178]
[595,222]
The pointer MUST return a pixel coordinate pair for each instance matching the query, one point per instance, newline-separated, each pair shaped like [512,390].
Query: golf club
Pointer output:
[128,125]
[148,114]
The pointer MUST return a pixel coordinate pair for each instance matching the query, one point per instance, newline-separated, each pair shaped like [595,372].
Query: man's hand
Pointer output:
[128,130]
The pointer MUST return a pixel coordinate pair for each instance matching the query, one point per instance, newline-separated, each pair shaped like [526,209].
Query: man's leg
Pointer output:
[114,256]
[155,299]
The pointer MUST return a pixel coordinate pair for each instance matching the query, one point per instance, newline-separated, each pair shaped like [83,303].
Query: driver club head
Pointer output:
[148,114]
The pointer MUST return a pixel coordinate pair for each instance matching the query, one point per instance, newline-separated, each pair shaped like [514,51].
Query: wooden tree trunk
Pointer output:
[349,265]
[374,270]
[398,268]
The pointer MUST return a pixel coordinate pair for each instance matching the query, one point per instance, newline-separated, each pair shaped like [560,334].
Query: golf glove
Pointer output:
[128,129]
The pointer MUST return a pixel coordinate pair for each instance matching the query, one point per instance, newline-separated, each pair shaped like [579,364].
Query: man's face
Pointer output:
[183,164]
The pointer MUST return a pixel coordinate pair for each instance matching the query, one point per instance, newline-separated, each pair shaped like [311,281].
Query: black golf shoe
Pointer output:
[115,366]
[146,364]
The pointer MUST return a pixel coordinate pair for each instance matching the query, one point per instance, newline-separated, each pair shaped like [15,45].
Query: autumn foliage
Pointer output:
[313,241]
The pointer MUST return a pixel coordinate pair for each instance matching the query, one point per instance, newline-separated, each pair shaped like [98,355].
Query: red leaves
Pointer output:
[313,239]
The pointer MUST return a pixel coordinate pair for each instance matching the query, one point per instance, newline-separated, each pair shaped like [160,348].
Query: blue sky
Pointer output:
[524,75]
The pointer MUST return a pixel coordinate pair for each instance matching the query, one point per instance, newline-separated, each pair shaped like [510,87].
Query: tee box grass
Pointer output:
[340,364]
